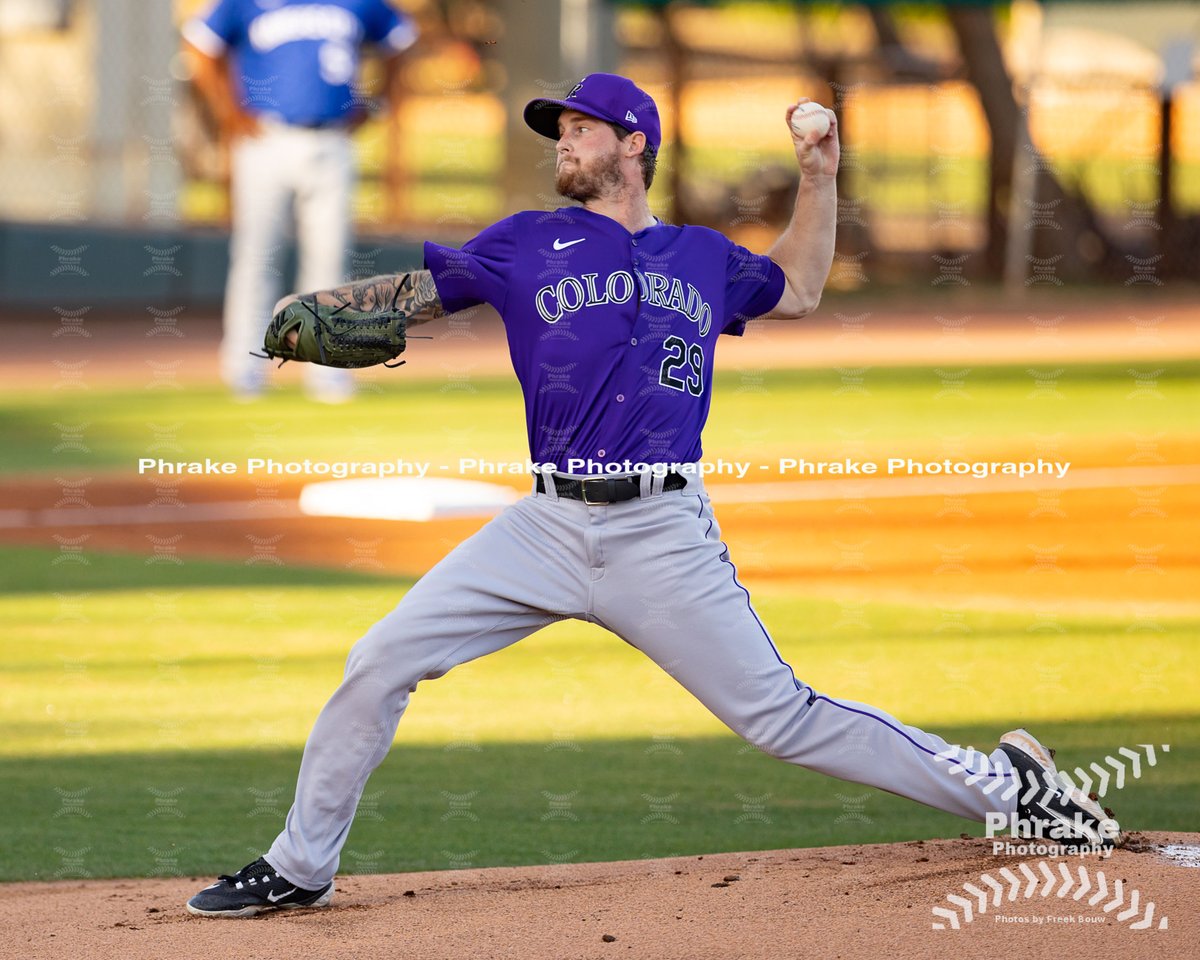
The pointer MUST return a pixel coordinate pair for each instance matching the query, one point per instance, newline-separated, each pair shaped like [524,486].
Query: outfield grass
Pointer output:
[158,729]
[152,713]
[435,807]
[811,413]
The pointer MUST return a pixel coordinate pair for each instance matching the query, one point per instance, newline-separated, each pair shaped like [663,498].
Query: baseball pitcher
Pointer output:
[612,318]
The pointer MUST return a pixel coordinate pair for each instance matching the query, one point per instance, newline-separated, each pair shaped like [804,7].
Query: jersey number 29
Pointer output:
[685,359]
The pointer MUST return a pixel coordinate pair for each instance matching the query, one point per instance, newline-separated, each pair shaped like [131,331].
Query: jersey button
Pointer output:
[600,453]
[620,398]
[634,242]
[633,342]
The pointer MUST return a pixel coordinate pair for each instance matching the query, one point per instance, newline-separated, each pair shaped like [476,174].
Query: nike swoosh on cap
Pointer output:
[559,245]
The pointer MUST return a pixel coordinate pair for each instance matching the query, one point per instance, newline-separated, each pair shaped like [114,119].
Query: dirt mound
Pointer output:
[849,902]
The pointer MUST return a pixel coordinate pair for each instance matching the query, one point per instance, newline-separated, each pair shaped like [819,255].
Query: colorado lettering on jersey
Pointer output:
[611,339]
[305,22]
[571,294]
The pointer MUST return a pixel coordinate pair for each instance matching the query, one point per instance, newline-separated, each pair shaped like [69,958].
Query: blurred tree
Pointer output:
[900,62]
[1082,243]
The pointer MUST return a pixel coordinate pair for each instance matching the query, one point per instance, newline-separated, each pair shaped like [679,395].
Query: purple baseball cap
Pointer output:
[603,95]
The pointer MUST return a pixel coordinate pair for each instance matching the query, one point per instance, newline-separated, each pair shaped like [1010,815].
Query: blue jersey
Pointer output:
[611,333]
[297,59]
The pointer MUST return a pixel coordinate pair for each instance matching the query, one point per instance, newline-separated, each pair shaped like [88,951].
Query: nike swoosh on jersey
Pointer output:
[273,898]
[559,245]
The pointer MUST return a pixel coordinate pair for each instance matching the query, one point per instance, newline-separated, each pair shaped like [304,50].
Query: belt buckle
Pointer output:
[596,503]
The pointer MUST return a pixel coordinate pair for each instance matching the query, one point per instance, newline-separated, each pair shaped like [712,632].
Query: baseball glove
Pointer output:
[336,336]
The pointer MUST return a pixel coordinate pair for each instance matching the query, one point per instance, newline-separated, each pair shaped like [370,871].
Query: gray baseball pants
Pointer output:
[284,173]
[653,571]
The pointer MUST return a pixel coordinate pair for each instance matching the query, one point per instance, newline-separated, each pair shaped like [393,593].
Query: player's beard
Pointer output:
[582,183]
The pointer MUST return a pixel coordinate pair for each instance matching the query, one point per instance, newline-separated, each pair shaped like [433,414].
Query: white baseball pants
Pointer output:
[653,571]
[281,171]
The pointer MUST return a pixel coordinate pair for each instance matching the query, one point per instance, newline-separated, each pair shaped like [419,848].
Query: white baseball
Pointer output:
[809,117]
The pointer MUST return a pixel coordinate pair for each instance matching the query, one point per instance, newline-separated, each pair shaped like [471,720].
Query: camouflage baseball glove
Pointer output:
[336,336]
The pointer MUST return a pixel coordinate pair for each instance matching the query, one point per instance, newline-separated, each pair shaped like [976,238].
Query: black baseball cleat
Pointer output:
[255,889]
[1050,809]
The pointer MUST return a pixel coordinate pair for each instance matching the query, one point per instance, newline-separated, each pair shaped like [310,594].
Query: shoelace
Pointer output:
[257,869]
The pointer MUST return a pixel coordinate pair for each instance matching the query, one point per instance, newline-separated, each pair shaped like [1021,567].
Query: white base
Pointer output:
[405,498]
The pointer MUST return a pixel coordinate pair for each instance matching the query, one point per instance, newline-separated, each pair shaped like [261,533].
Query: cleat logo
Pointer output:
[276,899]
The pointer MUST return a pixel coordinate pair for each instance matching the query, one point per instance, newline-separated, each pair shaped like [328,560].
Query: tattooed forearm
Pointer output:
[365,296]
[413,294]
[425,294]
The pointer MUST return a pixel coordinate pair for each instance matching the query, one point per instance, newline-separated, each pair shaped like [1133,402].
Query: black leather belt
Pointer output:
[597,491]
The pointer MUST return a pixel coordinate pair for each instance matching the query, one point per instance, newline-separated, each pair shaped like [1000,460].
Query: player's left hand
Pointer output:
[308,330]
[283,302]
[817,155]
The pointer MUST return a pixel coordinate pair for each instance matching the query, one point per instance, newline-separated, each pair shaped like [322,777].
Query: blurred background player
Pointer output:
[279,78]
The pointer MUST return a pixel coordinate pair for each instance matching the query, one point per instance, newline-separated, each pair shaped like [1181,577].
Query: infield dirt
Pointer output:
[849,902]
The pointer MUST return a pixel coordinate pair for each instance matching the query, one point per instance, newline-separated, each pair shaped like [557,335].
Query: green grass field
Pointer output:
[169,743]
[152,715]
[812,413]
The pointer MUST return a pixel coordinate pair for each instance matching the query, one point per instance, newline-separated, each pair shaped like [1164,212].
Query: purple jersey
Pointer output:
[612,334]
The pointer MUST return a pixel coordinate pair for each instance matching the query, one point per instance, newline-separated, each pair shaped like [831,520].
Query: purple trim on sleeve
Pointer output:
[453,275]
[478,273]
[763,301]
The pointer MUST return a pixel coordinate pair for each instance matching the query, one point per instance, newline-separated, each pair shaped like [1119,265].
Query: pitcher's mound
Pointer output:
[870,901]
